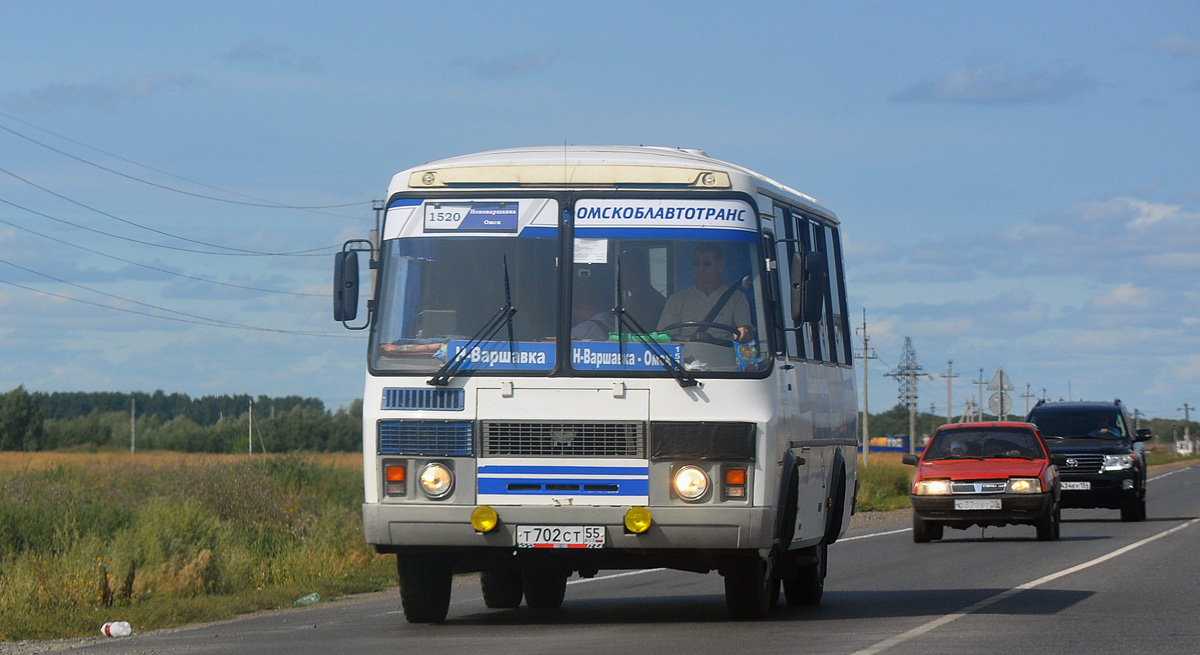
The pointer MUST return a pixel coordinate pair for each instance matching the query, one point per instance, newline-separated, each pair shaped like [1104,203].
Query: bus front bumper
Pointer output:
[685,527]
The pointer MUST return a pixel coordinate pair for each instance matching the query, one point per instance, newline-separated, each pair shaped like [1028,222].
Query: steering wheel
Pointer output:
[701,336]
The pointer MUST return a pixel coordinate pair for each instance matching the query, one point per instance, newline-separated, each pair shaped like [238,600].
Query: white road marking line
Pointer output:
[991,600]
[873,534]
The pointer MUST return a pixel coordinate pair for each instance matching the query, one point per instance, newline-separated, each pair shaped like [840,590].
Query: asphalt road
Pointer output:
[1105,587]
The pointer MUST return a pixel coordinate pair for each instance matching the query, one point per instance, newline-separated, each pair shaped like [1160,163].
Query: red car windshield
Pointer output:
[984,443]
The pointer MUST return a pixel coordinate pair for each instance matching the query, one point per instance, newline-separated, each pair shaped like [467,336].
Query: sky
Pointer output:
[1018,183]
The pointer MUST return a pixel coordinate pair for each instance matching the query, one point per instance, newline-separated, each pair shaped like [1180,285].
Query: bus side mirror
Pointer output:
[810,283]
[345,286]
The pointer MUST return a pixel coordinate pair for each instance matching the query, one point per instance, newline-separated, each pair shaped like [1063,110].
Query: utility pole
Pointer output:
[132,425]
[1187,417]
[250,448]
[949,379]
[981,381]
[1027,395]
[867,354]
[1137,419]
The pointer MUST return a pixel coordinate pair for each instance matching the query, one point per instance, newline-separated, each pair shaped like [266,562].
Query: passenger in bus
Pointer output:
[593,320]
[708,301]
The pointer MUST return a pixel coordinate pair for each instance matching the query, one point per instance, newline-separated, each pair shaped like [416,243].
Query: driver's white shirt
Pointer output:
[692,304]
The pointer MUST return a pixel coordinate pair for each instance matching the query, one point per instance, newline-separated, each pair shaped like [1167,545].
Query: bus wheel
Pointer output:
[425,582]
[544,588]
[502,588]
[806,584]
[749,585]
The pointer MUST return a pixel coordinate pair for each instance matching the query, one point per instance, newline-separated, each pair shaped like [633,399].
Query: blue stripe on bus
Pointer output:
[499,486]
[405,202]
[714,234]
[494,469]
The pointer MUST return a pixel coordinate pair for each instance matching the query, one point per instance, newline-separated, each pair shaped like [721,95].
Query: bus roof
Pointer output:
[594,167]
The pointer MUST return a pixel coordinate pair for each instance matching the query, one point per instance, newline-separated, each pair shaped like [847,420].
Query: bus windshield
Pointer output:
[643,298]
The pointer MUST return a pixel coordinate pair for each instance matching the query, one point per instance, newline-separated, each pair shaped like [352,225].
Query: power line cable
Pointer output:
[157,245]
[270,205]
[232,250]
[160,270]
[195,318]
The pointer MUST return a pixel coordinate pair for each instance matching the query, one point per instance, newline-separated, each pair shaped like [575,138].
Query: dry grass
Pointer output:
[18,461]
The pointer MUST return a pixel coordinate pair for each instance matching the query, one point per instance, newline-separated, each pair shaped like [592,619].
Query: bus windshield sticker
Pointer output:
[410,217]
[591,251]
[606,356]
[524,356]
[471,217]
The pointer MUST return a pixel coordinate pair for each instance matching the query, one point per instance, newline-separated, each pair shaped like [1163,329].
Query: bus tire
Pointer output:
[750,584]
[806,584]
[545,588]
[425,582]
[836,505]
[502,588]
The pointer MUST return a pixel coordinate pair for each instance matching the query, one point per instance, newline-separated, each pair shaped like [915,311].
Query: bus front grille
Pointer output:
[555,439]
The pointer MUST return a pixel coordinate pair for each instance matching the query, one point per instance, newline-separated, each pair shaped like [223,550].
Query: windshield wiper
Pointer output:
[623,319]
[498,320]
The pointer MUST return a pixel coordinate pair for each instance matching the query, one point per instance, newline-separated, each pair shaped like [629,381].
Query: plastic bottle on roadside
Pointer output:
[116,629]
[310,599]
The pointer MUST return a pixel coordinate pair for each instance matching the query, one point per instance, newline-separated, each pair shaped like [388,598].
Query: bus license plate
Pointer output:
[976,503]
[560,536]
[1076,486]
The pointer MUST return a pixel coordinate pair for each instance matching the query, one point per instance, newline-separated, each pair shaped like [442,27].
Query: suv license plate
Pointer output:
[1075,486]
[976,503]
[560,536]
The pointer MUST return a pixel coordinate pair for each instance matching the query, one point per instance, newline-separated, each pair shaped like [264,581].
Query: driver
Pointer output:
[696,303]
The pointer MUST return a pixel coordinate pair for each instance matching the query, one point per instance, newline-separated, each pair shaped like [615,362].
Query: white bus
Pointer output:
[587,358]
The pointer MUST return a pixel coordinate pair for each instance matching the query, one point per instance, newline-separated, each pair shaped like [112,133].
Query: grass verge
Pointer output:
[162,541]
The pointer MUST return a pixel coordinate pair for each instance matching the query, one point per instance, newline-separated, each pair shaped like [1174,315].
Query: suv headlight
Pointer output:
[1024,486]
[1118,462]
[932,488]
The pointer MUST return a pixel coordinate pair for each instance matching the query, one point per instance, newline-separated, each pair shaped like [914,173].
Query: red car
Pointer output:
[984,474]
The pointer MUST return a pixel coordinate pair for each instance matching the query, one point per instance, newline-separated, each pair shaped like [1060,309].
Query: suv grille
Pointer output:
[1068,464]
[530,439]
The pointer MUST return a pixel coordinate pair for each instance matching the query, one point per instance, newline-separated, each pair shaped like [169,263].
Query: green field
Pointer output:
[164,539]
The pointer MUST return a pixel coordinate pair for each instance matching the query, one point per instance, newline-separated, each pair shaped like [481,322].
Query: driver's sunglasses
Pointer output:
[704,262]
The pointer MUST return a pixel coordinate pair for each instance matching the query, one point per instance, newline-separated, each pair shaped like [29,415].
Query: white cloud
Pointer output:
[271,55]
[102,95]
[989,81]
[1124,297]
[1178,47]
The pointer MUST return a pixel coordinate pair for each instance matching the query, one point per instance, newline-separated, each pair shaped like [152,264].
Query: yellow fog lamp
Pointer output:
[484,518]
[637,520]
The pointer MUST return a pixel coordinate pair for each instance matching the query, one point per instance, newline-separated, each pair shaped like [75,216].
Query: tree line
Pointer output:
[161,421]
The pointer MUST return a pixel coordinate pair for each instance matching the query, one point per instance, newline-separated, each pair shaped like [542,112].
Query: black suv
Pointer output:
[1101,461]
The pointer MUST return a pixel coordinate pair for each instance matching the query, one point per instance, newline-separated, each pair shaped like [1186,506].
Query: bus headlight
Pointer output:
[691,483]
[436,480]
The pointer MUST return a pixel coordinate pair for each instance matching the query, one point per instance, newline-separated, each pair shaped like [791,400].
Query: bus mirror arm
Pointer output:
[345,283]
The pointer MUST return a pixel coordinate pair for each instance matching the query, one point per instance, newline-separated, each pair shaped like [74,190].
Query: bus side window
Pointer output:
[837,283]
[821,331]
